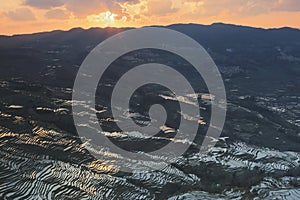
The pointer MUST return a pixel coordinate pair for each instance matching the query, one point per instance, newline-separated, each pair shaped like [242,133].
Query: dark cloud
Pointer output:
[20,14]
[44,4]
[247,7]
[56,14]
[235,7]
[158,7]
[288,5]
[128,1]
[81,8]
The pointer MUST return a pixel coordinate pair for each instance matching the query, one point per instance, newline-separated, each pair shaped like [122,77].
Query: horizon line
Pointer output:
[112,27]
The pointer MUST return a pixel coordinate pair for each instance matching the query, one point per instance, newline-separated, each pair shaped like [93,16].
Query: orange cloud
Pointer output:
[158,7]
[20,14]
[44,4]
[56,14]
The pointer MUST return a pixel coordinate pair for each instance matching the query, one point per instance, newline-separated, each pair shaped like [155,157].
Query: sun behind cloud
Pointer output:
[104,19]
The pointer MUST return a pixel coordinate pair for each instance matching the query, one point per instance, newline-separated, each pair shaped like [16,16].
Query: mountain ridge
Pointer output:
[170,25]
[252,49]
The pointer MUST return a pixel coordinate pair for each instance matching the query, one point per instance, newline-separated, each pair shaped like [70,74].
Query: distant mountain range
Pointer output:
[272,53]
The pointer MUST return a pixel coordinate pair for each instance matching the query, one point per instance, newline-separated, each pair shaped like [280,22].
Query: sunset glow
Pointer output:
[104,19]
[27,16]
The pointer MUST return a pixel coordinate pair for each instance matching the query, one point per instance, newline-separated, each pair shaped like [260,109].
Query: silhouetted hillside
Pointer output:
[250,48]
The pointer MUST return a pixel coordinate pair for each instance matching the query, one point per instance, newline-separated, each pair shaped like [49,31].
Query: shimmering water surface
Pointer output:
[42,158]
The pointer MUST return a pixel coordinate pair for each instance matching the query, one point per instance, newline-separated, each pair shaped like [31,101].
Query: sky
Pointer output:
[29,16]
